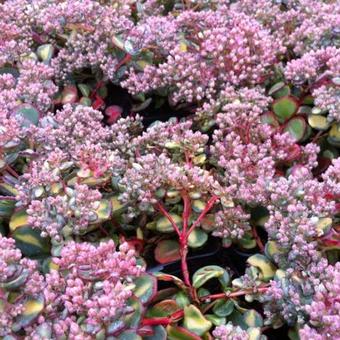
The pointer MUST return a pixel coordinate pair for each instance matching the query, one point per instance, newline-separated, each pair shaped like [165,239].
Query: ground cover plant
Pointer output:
[169,169]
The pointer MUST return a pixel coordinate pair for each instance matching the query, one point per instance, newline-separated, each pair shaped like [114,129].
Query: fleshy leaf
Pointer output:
[167,251]
[296,127]
[29,241]
[163,224]
[29,114]
[159,334]
[318,122]
[163,308]
[180,333]
[32,309]
[264,265]
[197,238]
[45,52]
[133,319]
[252,318]
[194,320]
[146,287]
[104,210]
[223,307]
[18,219]
[285,107]
[207,273]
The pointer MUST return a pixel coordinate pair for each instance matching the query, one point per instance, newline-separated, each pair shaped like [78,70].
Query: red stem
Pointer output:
[229,295]
[168,216]
[12,171]
[258,239]
[156,321]
[164,321]
[207,208]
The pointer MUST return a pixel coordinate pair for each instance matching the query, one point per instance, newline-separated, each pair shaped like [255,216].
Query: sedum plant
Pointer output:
[169,169]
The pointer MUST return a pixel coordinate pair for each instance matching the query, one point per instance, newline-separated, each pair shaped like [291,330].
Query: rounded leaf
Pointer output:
[167,251]
[32,309]
[163,224]
[207,273]
[194,320]
[180,333]
[285,107]
[29,241]
[223,307]
[252,318]
[29,114]
[146,288]
[197,238]
[318,122]
[264,265]
[296,127]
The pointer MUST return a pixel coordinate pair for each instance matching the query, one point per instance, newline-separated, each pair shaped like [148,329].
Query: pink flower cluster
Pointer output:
[206,49]
[320,70]
[229,331]
[85,295]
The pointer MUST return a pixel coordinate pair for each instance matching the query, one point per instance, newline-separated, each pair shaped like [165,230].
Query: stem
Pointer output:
[164,321]
[156,321]
[186,211]
[8,198]
[209,205]
[229,295]
[12,171]
[257,239]
[161,208]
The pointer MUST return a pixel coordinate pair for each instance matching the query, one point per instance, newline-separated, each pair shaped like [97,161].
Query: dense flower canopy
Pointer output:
[137,135]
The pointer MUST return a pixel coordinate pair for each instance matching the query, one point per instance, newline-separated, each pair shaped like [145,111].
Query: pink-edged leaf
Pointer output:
[167,251]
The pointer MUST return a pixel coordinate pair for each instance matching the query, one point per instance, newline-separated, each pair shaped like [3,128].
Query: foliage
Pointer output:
[106,222]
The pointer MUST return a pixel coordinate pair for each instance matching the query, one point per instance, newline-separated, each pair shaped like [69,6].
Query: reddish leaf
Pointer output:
[167,251]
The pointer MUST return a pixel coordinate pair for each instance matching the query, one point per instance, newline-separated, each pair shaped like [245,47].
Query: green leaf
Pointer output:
[132,319]
[264,265]
[271,249]
[296,127]
[29,114]
[197,238]
[167,251]
[285,107]
[255,333]
[319,122]
[6,208]
[252,318]
[163,224]
[216,320]
[223,307]
[29,241]
[194,320]
[163,308]
[32,309]
[323,226]
[45,52]
[334,135]
[69,94]
[180,333]
[270,119]
[198,206]
[159,334]
[208,222]
[18,219]
[207,273]
[276,87]
[182,299]
[146,288]
[129,335]
[84,89]
[104,211]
